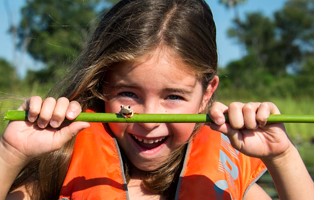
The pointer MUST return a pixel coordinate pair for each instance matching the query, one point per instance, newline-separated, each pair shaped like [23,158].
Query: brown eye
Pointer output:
[175,97]
[127,94]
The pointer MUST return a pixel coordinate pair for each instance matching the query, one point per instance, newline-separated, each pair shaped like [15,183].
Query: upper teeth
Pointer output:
[148,141]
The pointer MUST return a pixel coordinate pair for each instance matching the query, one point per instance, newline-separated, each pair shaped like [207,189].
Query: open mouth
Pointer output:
[149,143]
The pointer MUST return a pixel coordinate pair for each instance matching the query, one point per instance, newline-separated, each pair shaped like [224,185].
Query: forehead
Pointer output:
[156,60]
[154,71]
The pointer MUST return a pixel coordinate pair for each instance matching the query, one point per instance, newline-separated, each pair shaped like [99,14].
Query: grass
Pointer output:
[302,135]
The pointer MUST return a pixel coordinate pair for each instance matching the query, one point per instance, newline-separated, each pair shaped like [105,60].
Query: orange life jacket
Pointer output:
[212,169]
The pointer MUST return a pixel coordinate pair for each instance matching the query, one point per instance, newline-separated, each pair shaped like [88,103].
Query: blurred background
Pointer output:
[265,49]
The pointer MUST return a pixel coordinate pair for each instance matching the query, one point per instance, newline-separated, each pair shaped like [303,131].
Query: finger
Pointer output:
[234,135]
[33,106]
[67,133]
[264,111]
[74,109]
[235,115]
[223,128]
[59,112]
[216,113]
[249,115]
[46,112]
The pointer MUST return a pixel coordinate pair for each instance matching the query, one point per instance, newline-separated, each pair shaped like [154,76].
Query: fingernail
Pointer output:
[41,124]
[220,121]
[261,124]
[54,123]
[71,114]
[31,119]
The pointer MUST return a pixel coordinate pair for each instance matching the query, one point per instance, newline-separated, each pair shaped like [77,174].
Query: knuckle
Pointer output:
[50,100]
[35,98]
[248,107]
[75,105]
[57,115]
[33,103]
[265,104]
[235,105]
[214,112]
[63,100]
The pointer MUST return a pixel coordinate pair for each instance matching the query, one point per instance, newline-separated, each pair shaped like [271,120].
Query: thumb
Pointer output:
[67,133]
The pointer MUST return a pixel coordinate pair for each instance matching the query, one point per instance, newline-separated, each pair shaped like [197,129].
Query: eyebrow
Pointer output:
[170,90]
[121,85]
[178,90]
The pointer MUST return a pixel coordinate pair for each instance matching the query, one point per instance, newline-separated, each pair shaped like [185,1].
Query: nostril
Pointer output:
[149,126]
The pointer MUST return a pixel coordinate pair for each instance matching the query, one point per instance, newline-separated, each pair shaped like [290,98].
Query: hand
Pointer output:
[248,130]
[44,131]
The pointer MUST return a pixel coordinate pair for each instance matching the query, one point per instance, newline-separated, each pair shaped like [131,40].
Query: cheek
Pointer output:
[112,107]
[117,129]
[182,133]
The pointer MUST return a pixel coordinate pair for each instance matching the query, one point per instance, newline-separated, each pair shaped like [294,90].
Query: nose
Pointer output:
[148,126]
[151,108]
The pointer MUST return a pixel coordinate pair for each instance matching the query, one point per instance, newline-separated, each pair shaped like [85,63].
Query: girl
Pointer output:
[156,56]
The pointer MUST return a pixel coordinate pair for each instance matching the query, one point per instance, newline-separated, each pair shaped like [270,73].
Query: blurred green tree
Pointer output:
[54,32]
[233,4]
[8,78]
[278,50]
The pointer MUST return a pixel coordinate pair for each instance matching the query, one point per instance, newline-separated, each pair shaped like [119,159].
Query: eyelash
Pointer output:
[175,97]
[171,97]
[127,94]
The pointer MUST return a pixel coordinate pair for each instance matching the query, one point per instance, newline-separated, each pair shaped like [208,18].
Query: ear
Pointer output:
[212,86]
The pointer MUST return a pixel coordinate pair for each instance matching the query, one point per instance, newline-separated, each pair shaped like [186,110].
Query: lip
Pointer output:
[147,152]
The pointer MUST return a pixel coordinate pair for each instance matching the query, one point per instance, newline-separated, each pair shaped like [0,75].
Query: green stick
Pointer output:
[16,115]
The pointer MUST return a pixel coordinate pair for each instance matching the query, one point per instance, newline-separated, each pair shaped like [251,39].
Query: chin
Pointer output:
[147,166]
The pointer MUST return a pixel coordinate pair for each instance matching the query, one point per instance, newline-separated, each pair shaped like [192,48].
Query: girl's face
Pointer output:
[154,83]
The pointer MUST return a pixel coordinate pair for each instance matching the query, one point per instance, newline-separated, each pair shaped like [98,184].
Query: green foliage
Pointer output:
[231,3]
[299,133]
[278,58]
[295,24]
[242,79]
[55,28]
[54,33]
[279,52]
[8,78]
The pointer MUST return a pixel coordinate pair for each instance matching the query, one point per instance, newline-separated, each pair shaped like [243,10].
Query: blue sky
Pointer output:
[227,48]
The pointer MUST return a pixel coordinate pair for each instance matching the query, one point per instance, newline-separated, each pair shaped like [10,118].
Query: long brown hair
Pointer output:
[128,30]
